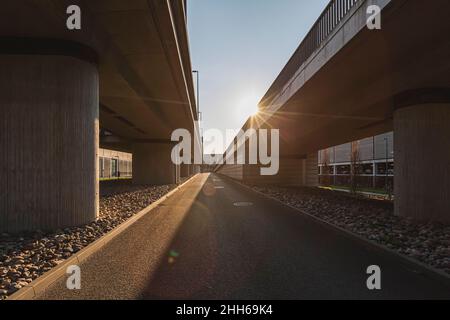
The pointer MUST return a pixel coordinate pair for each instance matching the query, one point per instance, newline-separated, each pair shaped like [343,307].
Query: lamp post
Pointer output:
[197,73]
[386,169]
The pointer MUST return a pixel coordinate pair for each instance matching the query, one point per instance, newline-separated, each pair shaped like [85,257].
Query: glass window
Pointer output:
[114,168]
[391,168]
[343,169]
[367,169]
[102,167]
[328,170]
[381,169]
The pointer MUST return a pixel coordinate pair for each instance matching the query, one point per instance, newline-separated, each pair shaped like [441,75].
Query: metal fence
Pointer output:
[333,14]
[325,25]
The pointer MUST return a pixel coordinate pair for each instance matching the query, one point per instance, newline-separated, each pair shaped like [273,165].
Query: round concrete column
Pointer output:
[48,142]
[422,161]
[152,164]
[185,170]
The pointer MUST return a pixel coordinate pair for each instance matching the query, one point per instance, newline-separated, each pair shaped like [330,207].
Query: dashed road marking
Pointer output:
[243,204]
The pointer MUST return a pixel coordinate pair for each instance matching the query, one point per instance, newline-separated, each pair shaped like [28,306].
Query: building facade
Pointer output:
[115,164]
[374,158]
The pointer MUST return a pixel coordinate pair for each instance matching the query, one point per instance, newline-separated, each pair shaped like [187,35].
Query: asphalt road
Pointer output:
[199,245]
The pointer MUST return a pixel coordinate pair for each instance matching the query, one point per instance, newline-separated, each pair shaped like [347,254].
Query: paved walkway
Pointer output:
[199,245]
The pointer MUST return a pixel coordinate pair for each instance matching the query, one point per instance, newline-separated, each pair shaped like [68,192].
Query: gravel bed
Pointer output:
[25,257]
[374,220]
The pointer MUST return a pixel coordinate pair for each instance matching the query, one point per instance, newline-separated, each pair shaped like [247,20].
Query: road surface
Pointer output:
[199,245]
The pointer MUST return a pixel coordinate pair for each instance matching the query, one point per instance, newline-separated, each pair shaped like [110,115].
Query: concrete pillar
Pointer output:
[310,170]
[152,164]
[177,174]
[422,161]
[195,168]
[48,142]
[185,170]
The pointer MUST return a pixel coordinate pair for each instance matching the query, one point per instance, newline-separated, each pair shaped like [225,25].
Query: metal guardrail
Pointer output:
[330,18]
[333,14]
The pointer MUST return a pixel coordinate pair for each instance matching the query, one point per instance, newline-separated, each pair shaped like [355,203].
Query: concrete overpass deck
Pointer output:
[347,82]
[122,81]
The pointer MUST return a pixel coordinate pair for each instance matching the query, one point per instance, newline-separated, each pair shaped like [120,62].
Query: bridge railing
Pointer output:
[325,25]
[333,14]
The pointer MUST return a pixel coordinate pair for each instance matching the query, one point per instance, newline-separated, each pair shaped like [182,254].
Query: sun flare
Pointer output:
[247,106]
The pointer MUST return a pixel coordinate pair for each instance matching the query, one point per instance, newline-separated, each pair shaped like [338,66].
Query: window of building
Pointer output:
[367,169]
[391,168]
[102,167]
[381,169]
[114,168]
[343,169]
[327,170]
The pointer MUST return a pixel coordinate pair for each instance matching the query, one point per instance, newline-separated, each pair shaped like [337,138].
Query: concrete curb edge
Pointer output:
[414,265]
[47,279]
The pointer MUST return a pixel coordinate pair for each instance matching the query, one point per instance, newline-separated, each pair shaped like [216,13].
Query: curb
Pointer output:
[414,265]
[47,279]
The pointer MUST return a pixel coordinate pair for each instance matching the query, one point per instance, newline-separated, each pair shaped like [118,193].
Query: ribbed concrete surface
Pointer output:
[48,142]
[234,171]
[290,173]
[311,177]
[185,170]
[294,172]
[220,251]
[422,162]
[152,164]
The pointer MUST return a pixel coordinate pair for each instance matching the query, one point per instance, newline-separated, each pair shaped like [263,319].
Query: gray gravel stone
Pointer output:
[427,242]
[24,258]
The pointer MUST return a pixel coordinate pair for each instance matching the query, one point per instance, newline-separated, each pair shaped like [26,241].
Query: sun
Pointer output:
[247,105]
[255,112]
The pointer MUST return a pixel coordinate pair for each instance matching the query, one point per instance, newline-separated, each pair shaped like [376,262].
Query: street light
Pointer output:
[387,162]
[197,73]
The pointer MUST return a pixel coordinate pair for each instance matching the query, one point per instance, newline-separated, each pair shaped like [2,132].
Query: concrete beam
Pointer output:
[49,142]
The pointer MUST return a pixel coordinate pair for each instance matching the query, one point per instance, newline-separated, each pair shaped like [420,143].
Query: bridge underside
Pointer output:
[396,78]
[356,92]
[123,80]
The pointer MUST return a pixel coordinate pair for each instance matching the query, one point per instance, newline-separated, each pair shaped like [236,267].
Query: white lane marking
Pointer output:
[243,204]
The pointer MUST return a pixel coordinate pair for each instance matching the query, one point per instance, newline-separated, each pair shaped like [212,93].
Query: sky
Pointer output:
[239,47]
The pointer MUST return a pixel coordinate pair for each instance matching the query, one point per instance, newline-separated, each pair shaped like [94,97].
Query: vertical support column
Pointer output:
[195,168]
[422,161]
[185,170]
[177,177]
[374,174]
[310,170]
[334,174]
[49,135]
[152,164]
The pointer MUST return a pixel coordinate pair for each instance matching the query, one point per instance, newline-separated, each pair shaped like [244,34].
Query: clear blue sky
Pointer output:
[239,47]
